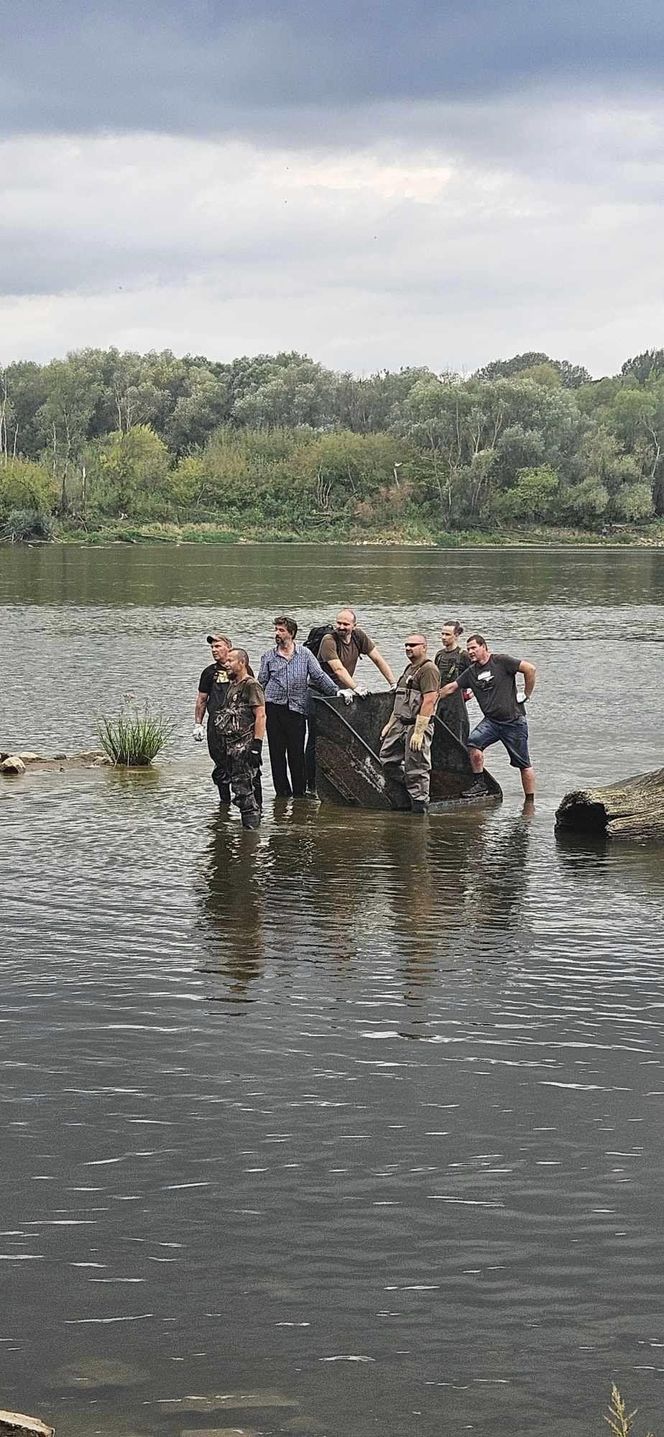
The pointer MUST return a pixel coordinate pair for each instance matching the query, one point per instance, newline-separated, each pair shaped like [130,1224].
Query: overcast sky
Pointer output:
[376,183]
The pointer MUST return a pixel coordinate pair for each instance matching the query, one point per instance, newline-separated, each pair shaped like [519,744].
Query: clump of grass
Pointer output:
[619,1419]
[135,736]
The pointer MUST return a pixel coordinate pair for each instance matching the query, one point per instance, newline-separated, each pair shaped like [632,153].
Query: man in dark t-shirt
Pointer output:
[492,680]
[212,696]
[211,699]
[340,652]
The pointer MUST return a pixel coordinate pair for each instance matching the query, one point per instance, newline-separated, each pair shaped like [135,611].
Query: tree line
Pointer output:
[280,443]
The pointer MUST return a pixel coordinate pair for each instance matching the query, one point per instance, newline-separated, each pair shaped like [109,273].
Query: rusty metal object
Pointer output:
[349,771]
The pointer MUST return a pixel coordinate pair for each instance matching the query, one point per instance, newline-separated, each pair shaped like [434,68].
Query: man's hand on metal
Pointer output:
[361,690]
[346,694]
[198,733]
[417,737]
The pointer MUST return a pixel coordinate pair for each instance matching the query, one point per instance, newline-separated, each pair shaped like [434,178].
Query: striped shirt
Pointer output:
[286,681]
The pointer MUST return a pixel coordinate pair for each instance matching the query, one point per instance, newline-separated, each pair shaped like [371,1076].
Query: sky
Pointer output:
[377,184]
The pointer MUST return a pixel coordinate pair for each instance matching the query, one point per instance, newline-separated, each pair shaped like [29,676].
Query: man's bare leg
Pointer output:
[476,757]
[528,782]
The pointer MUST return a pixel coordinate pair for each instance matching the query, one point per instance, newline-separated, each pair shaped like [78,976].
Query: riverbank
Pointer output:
[540,537]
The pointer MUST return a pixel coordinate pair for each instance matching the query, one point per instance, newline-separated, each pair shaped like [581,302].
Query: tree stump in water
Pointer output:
[633,808]
[19,1425]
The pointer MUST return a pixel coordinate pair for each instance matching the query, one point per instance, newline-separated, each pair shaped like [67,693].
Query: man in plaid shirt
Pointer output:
[286,673]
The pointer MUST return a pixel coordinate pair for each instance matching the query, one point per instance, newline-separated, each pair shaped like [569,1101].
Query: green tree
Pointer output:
[645,366]
[128,473]
[532,499]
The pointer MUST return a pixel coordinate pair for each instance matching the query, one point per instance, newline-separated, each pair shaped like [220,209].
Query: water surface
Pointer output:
[353,1125]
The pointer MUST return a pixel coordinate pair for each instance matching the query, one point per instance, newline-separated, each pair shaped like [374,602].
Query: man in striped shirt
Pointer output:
[286,671]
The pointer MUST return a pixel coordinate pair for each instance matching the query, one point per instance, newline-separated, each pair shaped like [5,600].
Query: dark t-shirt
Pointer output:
[334,647]
[449,663]
[215,682]
[494,687]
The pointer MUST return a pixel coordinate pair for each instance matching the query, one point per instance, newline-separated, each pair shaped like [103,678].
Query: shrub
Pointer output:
[136,736]
[24,485]
[22,525]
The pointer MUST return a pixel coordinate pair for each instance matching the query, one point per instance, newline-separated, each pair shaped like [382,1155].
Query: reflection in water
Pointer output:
[500,873]
[234,900]
[320,886]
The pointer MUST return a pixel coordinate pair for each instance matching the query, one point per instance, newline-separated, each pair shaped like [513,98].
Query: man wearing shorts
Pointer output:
[492,680]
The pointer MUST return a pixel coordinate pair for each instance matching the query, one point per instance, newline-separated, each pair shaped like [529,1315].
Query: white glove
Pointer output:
[198,733]
[346,694]
[361,690]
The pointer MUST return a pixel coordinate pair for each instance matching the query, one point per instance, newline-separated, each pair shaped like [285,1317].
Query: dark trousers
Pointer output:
[310,751]
[285,737]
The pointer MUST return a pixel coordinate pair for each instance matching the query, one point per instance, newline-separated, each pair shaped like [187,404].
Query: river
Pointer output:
[353,1126]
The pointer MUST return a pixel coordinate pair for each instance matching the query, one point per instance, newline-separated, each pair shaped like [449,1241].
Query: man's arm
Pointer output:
[264,670]
[341,674]
[447,689]
[427,706]
[319,676]
[259,722]
[382,665]
[201,706]
[530,674]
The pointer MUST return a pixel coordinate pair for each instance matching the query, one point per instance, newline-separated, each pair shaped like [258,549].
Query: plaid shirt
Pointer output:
[286,681]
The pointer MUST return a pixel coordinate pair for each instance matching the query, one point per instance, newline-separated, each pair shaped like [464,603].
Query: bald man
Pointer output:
[406,739]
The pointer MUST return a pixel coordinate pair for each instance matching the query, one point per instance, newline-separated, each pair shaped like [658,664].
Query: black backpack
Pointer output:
[315,637]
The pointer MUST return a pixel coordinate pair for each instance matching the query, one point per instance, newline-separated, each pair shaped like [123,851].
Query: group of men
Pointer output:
[241,709]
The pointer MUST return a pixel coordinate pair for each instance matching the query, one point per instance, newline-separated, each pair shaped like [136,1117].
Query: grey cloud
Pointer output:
[208,67]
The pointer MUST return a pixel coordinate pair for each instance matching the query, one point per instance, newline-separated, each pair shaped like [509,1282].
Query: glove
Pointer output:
[361,691]
[417,737]
[256,752]
[346,694]
[198,733]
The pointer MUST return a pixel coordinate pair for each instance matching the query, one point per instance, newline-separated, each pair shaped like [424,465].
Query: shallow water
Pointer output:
[353,1125]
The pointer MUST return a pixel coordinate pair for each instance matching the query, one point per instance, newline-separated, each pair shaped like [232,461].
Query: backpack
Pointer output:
[315,637]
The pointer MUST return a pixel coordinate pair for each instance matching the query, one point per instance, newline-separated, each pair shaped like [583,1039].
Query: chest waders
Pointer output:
[414,765]
[234,724]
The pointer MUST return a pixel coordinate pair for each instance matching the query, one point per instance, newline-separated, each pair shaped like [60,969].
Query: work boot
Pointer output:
[224,792]
[477,789]
[419,805]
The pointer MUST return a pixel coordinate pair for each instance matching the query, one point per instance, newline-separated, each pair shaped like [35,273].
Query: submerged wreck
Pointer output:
[632,808]
[349,772]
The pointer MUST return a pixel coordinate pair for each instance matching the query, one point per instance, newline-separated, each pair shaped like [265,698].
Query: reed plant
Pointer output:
[618,1418]
[135,736]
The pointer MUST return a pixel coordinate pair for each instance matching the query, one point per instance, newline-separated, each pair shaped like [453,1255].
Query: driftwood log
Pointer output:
[633,808]
[19,1425]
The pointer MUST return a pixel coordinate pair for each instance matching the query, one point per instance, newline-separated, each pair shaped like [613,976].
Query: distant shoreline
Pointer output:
[128,533]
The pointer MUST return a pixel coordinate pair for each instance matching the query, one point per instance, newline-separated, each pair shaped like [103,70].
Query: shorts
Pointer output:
[513,734]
